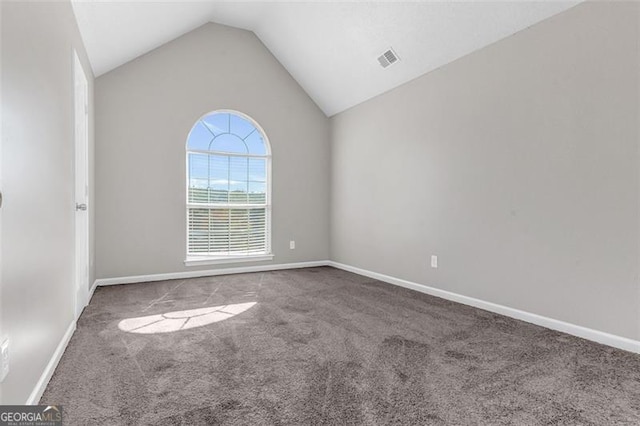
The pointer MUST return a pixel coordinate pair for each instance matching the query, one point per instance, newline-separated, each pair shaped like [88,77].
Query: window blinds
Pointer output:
[227,205]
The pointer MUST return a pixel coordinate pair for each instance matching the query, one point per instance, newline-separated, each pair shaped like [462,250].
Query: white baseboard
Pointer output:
[92,290]
[37,392]
[206,273]
[565,327]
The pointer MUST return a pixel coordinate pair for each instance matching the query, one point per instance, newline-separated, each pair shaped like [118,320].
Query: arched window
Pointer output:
[228,189]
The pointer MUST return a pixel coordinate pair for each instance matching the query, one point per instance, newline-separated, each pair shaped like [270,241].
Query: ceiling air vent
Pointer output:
[388,58]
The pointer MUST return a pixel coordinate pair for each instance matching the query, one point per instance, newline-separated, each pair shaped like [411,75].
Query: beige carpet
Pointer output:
[323,346]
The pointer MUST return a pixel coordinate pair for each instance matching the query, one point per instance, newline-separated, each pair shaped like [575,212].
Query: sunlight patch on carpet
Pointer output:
[182,320]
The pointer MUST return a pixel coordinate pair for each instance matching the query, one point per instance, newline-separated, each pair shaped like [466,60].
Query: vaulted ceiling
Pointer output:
[330,48]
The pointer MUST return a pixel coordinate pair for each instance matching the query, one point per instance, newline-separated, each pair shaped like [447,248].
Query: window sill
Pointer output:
[220,260]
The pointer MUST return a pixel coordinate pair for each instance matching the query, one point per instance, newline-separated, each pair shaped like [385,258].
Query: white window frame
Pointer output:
[208,259]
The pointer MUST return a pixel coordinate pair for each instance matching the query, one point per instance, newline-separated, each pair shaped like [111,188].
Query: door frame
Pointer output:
[81,184]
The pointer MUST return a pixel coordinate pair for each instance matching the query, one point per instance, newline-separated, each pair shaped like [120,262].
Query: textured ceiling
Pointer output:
[330,48]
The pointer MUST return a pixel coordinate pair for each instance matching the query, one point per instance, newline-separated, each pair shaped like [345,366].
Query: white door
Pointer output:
[82,185]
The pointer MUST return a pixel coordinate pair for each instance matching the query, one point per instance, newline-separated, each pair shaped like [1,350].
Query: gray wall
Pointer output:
[517,165]
[38,286]
[144,111]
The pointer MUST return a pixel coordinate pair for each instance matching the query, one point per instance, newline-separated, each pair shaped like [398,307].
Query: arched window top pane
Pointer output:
[200,137]
[217,123]
[255,144]
[227,132]
[241,127]
[228,142]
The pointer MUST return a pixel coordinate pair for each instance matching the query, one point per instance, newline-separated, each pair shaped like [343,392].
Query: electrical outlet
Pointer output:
[4,359]
[292,245]
[434,261]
